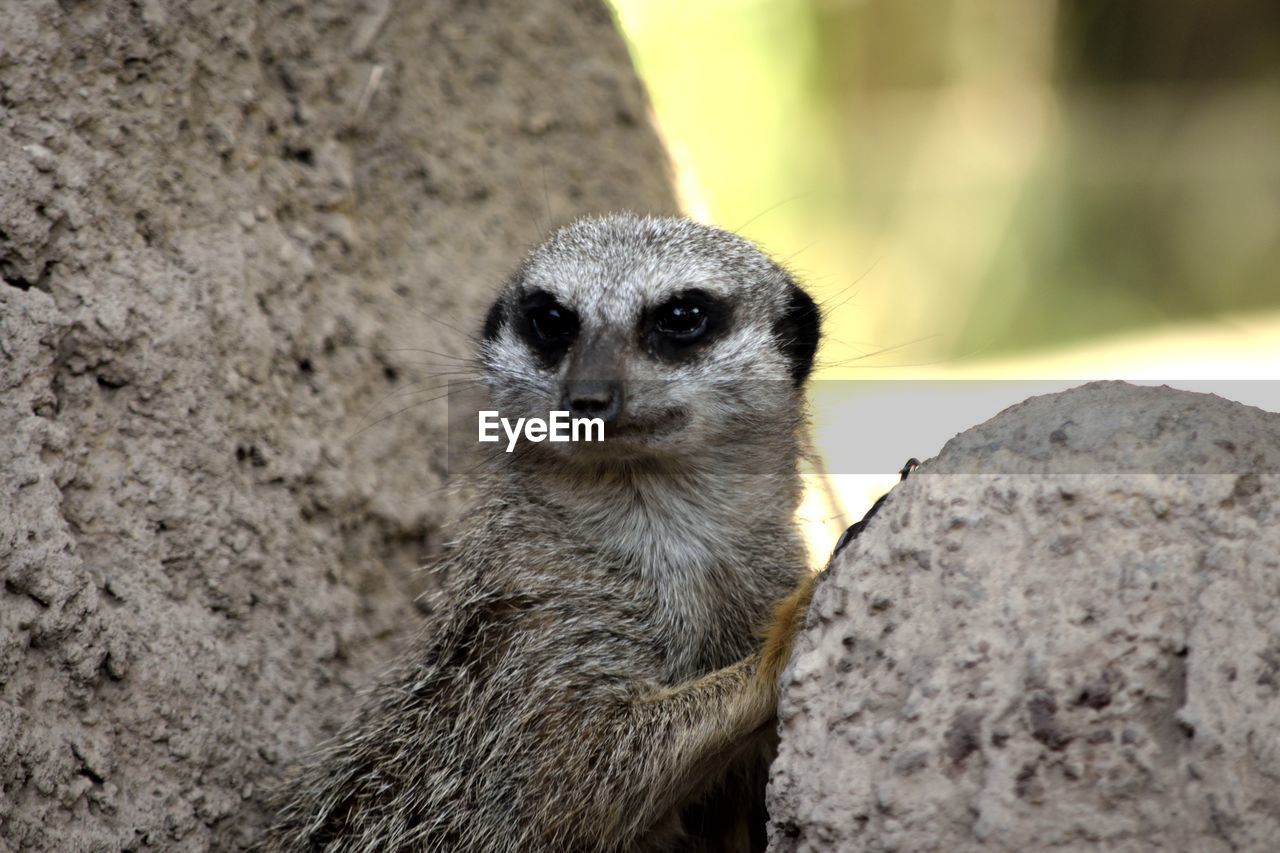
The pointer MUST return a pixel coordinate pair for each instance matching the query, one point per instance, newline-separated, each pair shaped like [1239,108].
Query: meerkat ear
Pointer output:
[798,331]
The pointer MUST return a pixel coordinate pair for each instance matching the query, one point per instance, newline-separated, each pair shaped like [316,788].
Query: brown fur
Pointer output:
[594,680]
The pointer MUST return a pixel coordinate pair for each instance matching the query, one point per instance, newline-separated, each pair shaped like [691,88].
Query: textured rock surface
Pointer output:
[220,223]
[1081,652]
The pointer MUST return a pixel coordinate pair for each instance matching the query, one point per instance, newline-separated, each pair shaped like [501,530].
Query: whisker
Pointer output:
[453,385]
[546,200]
[806,247]
[416,388]
[386,417]
[831,309]
[878,352]
[440,369]
[468,336]
[771,209]
[428,352]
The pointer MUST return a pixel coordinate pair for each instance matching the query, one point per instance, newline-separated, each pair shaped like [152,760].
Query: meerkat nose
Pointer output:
[593,398]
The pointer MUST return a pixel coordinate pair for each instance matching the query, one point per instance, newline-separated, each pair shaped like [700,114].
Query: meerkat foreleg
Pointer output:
[639,760]
[648,756]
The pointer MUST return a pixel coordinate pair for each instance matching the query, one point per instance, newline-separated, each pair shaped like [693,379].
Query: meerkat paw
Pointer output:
[789,615]
[788,618]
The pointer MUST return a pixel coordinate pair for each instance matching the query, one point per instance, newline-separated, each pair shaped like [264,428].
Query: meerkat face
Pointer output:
[673,333]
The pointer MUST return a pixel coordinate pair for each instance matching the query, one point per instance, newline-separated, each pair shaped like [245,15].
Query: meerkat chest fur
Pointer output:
[709,548]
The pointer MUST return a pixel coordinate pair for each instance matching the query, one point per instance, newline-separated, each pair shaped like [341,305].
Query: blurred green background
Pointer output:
[975,179]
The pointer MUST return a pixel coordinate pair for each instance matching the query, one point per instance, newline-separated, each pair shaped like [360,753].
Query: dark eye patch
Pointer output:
[493,321]
[685,324]
[548,327]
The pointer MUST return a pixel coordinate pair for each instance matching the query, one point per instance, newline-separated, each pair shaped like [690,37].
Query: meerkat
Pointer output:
[603,675]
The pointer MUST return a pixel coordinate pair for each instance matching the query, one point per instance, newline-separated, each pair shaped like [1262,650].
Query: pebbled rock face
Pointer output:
[222,224]
[1079,651]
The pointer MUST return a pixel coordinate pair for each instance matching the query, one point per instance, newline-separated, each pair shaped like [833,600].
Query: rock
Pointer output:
[220,237]
[1062,633]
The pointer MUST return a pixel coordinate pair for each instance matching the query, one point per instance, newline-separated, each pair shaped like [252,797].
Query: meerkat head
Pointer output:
[674,334]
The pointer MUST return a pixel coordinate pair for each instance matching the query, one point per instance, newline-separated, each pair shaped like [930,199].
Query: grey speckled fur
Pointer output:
[594,679]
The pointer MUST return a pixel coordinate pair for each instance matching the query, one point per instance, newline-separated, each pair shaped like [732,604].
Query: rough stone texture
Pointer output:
[220,222]
[1080,652]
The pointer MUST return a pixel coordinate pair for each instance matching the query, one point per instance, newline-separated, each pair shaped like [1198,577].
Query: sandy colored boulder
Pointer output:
[242,244]
[1061,634]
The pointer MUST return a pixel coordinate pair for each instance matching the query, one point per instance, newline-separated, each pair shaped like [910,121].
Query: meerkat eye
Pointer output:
[684,324]
[553,323]
[681,319]
[548,327]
